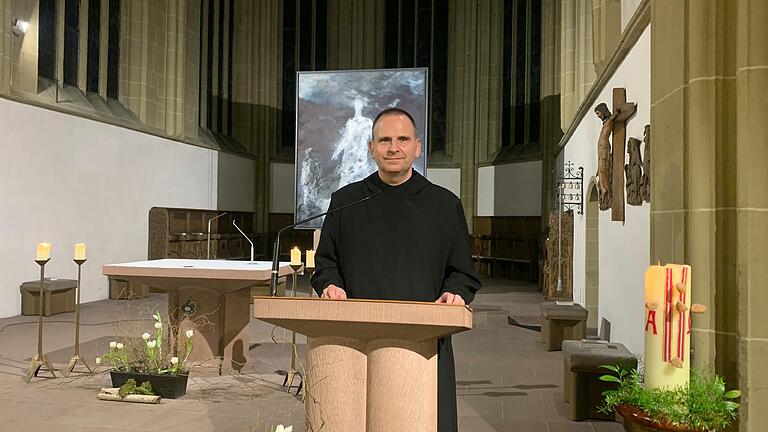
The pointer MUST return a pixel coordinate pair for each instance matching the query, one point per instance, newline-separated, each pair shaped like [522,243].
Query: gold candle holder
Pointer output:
[292,372]
[75,359]
[40,360]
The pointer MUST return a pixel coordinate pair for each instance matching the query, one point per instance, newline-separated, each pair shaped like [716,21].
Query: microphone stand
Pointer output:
[276,246]
[246,237]
[208,256]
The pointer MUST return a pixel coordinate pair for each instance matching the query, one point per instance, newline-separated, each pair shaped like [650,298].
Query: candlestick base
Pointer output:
[290,377]
[73,361]
[37,364]
[309,271]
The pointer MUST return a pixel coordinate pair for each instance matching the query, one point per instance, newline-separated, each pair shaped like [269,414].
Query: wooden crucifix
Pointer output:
[625,110]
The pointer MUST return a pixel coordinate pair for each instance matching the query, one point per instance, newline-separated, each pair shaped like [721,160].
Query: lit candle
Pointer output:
[667,326]
[310,259]
[295,256]
[79,251]
[43,251]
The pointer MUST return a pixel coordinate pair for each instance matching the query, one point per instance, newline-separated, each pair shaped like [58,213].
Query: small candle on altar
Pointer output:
[79,251]
[310,258]
[295,256]
[43,251]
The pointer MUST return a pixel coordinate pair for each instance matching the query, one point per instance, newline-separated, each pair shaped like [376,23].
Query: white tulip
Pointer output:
[113,344]
[152,343]
[158,325]
[280,428]
[145,336]
[174,360]
[156,317]
[98,360]
[120,345]
[190,333]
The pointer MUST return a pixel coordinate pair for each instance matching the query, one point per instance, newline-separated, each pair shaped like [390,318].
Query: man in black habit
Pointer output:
[408,242]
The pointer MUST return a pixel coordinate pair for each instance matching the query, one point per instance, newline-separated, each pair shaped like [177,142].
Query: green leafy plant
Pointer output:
[704,405]
[130,388]
[148,355]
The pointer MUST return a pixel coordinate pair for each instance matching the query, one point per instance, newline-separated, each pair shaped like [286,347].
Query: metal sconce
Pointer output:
[571,188]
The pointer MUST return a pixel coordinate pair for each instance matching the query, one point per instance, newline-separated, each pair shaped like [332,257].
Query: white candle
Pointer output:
[79,251]
[310,259]
[295,256]
[43,251]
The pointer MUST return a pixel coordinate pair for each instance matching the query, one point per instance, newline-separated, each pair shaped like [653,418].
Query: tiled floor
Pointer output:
[505,380]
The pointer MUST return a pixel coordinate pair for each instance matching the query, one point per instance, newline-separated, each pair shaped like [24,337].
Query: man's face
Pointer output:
[394,146]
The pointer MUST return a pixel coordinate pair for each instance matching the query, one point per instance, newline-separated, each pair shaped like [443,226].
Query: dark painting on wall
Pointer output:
[334,114]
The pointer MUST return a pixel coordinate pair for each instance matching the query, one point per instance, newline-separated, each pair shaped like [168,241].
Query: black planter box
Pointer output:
[165,386]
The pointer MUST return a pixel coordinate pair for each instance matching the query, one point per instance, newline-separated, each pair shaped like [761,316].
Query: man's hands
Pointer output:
[334,292]
[450,298]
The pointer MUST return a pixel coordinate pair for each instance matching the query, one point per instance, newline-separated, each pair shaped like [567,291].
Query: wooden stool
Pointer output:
[562,322]
[582,387]
[59,296]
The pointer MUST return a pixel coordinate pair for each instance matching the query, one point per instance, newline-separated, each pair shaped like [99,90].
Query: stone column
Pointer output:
[103,47]
[23,49]
[82,47]
[5,46]
[709,203]
[577,72]
[551,133]
[257,94]
[474,89]
[606,31]
[152,62]
[355,34]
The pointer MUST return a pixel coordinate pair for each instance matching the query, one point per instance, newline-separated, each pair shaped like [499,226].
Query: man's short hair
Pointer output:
[394,111]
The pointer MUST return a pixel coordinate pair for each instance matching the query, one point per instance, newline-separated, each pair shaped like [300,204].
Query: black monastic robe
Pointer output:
[408,242]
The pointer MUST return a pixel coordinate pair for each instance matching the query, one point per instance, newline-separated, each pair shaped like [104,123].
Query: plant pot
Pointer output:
[635,420]
[165,386]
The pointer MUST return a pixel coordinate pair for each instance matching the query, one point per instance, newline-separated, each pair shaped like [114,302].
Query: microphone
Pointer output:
[276,246]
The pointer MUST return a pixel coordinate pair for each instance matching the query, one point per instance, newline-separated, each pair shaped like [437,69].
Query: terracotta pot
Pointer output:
[635,420]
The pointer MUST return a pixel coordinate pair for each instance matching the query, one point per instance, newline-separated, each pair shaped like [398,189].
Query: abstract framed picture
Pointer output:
[334,115]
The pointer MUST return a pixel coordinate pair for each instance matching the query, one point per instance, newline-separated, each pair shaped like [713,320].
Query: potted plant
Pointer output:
[703,406]
[151,360]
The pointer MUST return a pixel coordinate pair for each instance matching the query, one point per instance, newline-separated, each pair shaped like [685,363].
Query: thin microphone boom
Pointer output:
[276,246]
[246,237]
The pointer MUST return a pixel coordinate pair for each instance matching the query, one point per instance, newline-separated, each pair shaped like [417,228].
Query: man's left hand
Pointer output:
[450,298]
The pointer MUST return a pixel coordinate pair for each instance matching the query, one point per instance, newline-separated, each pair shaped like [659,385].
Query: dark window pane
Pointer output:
[321,34]
[391,36]
[46,48]
[305,35]
[535,71]
[408,33]
[71,40]
[289,75]
[439,77]
[94,39]
[113,50]
[424,48]
[520,72]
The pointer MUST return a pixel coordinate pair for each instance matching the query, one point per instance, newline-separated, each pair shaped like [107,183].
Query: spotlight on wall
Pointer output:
[19,27]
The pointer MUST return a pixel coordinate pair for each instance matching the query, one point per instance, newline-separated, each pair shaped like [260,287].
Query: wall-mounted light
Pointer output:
[19,27]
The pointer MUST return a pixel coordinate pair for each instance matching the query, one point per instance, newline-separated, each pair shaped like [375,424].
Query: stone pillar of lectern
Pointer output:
[372,364]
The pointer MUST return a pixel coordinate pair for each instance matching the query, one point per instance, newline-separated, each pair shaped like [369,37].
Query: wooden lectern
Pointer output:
[372,364]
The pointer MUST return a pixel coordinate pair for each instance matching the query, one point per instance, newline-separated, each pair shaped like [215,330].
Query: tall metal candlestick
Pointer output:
[292,372]
[40,360]
[76,358]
